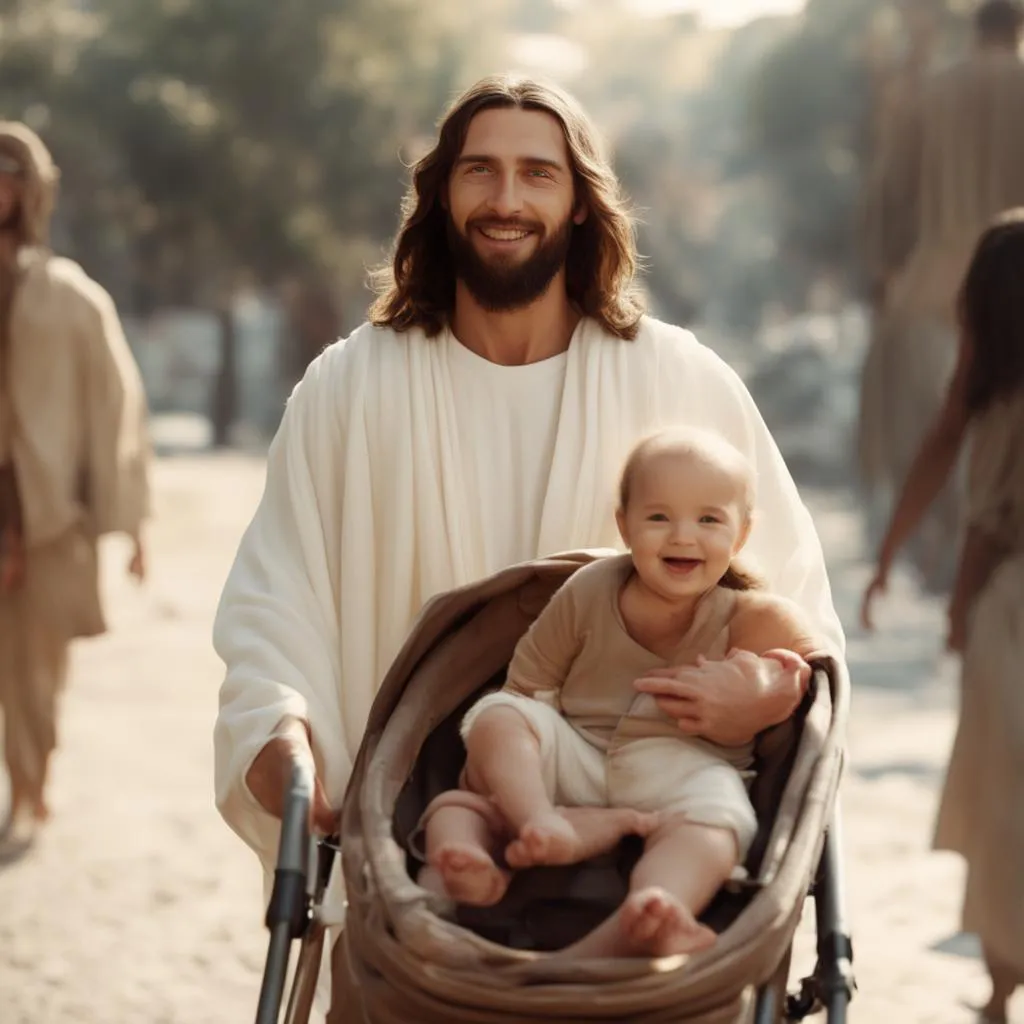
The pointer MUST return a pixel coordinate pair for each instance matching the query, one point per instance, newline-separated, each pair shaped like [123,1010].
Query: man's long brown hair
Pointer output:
[417,287]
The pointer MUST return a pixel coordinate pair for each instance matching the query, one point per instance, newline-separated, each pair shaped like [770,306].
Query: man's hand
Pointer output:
[271,773]
[728,702]
[137,565]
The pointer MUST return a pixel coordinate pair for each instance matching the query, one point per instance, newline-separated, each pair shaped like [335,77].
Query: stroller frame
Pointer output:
[294,908]
[406,955]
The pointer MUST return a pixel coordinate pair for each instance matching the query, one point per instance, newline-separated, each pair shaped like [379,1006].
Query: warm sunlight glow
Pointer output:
[721,13]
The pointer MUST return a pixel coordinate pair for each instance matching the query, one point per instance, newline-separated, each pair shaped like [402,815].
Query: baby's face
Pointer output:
[686,519]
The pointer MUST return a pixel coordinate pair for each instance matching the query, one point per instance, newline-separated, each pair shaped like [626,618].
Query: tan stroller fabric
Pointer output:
[409,956]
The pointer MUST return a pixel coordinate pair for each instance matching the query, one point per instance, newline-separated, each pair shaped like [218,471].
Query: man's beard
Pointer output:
[501,285]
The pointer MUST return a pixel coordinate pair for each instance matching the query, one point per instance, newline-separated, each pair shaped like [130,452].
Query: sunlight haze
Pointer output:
[721,12]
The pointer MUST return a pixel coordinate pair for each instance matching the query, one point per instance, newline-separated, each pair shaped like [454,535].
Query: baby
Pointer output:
[570,755]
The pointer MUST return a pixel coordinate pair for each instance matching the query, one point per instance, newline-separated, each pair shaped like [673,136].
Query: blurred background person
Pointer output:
[888,223]
[982,810]
[951,156]
[73,461]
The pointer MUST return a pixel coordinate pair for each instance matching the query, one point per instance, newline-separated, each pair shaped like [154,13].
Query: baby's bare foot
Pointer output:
[654,923]
[469,874]
[547,838]
[569,835]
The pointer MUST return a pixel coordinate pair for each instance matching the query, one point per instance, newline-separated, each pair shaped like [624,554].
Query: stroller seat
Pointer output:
[408,956]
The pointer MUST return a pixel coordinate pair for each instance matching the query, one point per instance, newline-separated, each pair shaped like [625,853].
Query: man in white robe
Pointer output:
[480,418]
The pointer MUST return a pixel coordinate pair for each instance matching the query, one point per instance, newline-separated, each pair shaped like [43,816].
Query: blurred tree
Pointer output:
[640,81]
[810,104]
[216,145]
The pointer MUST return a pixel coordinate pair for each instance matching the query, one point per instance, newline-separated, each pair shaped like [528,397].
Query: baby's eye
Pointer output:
[657,517]
[710,519]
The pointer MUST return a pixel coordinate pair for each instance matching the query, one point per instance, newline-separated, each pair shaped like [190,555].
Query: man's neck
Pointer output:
[538,331]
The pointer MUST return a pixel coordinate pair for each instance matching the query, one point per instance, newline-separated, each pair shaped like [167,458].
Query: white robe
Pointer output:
[364,518]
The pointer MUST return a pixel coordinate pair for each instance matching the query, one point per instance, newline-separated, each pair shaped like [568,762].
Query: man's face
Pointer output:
[511,207]
[10,200]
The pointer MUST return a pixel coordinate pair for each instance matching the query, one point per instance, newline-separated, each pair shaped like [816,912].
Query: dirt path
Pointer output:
[138,905]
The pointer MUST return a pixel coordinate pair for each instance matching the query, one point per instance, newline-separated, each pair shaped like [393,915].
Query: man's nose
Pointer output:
[506,200]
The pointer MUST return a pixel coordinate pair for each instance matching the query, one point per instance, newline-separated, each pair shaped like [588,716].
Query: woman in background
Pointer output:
[981,815]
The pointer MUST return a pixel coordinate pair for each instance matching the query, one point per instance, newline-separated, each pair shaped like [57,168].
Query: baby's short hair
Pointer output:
[688,441]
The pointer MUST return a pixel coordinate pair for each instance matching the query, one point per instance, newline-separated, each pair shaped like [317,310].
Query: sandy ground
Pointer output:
[138,904]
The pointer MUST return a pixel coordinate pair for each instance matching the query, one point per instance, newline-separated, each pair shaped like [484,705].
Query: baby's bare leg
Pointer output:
[675,880]
[504,762]
[682,868]
[596,829]
[459,844]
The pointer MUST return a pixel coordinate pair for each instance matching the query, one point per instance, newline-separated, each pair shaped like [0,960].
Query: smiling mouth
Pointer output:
[503,234]
[682,564]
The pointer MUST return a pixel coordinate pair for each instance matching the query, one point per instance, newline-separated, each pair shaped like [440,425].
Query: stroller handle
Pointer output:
[293,854]
[288,910]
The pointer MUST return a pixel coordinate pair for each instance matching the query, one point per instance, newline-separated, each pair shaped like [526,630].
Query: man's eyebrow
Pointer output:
[530,161]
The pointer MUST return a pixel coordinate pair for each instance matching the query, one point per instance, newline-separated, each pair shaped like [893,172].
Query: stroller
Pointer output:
[407,956]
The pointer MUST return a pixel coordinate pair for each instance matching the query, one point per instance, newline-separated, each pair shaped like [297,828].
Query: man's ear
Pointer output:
[580,214]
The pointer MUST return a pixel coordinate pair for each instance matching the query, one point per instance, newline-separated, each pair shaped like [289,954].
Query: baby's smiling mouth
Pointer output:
[681,564]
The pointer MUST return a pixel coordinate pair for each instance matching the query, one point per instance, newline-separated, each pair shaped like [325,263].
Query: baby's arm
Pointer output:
[546,651]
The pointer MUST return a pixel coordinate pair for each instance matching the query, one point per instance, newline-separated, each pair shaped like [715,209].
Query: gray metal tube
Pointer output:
[286,912]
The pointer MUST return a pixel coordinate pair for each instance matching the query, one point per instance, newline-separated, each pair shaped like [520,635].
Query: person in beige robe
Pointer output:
[981,815]
[950,157]
[73,461]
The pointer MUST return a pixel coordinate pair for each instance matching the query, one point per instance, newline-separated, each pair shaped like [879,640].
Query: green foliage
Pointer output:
[207,144]
[806,126]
